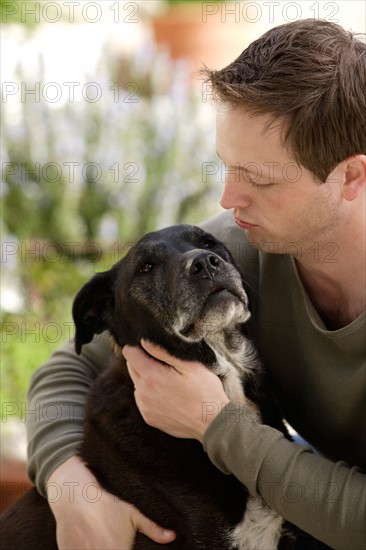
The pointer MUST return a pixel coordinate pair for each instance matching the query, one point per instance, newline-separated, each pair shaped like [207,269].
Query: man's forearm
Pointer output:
[55,407]
[325,499]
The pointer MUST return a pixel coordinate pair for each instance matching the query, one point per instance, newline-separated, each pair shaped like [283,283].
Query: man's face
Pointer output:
[280,205]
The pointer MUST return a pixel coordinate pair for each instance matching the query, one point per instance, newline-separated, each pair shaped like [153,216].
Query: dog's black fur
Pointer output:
[178,288]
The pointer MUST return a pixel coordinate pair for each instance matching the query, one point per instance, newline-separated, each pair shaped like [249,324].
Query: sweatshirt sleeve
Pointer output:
[325,499]
[55,406]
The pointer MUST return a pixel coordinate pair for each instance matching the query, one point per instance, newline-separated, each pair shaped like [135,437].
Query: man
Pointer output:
[291,131]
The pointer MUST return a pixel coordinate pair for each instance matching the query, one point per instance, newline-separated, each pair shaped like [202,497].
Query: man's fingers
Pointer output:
[156,351]
[134,355]
[142,366]
[162,355]
[140,360]
[152,530]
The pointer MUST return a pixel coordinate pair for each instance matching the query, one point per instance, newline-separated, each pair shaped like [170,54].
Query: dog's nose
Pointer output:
[204,264]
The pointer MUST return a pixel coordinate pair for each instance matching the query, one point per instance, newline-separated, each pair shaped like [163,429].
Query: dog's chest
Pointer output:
[260,527]
[236,363]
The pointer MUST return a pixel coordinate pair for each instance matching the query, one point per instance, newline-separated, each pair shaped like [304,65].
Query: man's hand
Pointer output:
[90,518]
[174,395]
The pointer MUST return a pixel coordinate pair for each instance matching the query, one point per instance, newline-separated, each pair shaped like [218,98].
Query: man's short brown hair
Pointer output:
[312,75]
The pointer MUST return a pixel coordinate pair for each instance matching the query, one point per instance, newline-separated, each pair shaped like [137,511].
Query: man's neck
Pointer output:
[334,276]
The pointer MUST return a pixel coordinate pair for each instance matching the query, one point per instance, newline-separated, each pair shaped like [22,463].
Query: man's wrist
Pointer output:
[210,410]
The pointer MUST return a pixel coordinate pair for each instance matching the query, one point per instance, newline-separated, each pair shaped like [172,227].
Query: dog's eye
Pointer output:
[209,243]
[146,267]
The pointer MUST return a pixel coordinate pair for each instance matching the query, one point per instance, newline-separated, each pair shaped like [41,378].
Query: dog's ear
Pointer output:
[93,306]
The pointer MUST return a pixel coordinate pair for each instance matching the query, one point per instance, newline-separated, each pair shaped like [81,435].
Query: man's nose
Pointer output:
[234,195]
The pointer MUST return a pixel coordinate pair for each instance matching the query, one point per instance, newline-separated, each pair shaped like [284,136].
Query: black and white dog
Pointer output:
[178,288]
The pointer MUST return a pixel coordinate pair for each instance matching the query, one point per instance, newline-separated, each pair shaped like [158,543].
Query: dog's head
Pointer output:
[179,284]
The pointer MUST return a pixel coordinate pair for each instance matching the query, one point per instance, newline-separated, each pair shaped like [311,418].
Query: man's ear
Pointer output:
[93,307]
[355,176]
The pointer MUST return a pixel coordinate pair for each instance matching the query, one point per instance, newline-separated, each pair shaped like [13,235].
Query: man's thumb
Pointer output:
[153,531]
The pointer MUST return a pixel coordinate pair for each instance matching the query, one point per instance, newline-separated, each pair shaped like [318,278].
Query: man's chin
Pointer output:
[264,244]
[254,240]
[256,237]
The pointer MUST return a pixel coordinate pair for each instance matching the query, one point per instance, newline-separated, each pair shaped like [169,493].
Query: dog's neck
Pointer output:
[236,349]
[236,362]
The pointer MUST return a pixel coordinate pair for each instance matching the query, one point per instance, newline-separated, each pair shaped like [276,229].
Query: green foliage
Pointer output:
[25,12]
[128,159]
[30,336]
[11,12]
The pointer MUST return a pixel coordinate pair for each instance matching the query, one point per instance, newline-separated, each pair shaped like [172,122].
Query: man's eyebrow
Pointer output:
[259,174]
[239,167]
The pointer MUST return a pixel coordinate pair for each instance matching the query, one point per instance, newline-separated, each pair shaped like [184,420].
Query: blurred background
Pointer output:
[107,133]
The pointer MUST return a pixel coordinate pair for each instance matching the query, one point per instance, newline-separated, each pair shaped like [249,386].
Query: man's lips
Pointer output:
[244,224]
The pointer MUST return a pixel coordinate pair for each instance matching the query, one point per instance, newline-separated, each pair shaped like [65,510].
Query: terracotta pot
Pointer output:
[14,482]
[214,39]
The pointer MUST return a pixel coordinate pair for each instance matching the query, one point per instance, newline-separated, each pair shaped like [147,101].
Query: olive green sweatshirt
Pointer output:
[318,376]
